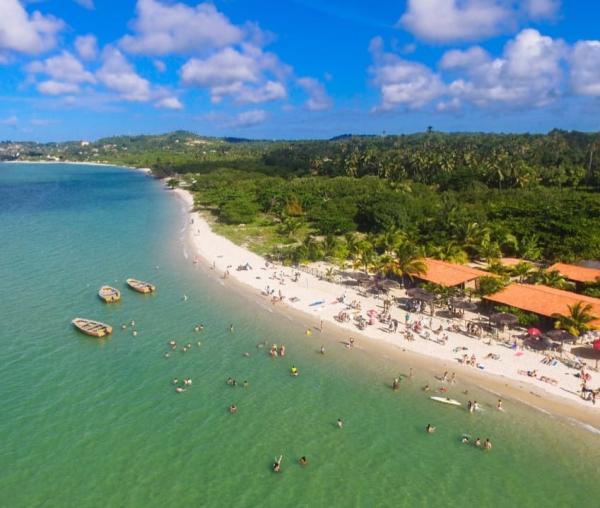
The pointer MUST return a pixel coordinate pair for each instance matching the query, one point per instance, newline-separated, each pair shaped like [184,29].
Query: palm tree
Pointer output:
[521,270]
[290,226]
[365,256]
[529,248]
[578,320]
[551,278]
[450,251]
[408,261]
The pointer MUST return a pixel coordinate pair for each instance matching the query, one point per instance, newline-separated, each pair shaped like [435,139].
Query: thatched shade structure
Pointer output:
[560,336]
[504,319]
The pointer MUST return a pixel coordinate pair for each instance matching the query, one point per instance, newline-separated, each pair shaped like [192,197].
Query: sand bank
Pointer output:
[318,301]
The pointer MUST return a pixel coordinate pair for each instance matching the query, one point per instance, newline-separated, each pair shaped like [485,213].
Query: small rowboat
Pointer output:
[109,294]
[93,328]
[446,400]
[140,286]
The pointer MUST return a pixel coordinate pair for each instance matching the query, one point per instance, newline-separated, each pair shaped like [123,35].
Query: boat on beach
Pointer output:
[109,294]
[93,328]
[141,286]
[446,400]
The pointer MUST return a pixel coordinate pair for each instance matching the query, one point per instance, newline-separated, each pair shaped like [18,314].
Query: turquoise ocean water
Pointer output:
[88,423]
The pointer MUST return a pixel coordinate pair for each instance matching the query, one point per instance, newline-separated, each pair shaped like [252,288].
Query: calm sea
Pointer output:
[89,423]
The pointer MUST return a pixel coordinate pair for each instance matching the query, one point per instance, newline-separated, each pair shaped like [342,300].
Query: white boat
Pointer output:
[93,328]
[141,286]
[109,294]
[446,400]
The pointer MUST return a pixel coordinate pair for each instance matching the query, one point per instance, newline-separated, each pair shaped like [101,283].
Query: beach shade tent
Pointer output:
[504,319]
[590,353]
[463,304]
[534,332]
[560,336]
[538,345]
[421,294]
[389,284]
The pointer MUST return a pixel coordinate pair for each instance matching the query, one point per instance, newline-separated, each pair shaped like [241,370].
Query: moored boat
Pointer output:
[446,400]
[93,328]
[141,286]
[109,294]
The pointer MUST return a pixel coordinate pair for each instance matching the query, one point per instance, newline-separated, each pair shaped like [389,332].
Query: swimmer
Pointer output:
[246,384]
[430,429]
[230,381]
[134,333]
[247,355]
[185,298]
[303,461]
[199,343]
[187,381]
[470,406]
[294,371]
[465,440]
[185,349]
[132,323]
[340,423]
[322,350]
[476,407]
[179,389]
[231,328]
[123,326]
[499,405]
[282,350]
[277,464]
[426,388]
[487,445]
[175,380]
[167,355]
[189,345]
[477,442]
[233,409]
[196,328]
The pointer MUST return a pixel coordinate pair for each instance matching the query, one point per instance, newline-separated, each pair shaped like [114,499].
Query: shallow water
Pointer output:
[98,423]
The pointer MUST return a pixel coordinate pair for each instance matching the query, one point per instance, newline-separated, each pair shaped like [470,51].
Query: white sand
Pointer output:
[147,171]
[224,255]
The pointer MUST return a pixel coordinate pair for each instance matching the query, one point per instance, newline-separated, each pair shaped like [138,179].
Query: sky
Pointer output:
[84,69]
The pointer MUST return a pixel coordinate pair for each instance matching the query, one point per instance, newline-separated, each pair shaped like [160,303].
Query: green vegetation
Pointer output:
[578,320]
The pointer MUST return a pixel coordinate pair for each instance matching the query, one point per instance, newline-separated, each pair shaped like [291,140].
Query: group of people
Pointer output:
[487,444]
[277,351]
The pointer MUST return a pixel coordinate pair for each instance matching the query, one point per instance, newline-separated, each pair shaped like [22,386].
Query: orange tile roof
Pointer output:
[543,300]
[511,261]
[576,273]
[449,274]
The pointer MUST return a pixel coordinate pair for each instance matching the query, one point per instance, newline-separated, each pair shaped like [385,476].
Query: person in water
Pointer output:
[322,350]
[233,409]
[303,461]
[396,384]
[340,423]
[277,464]
[294,371]
[426,388]
[477,442]
[487,445]
[430,429]
[231,328]
[499,405]
[465,439]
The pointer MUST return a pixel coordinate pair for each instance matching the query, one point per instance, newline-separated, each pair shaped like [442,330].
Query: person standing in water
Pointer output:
[396,384]
[487,445]
[340,423]
[499,405]
[430,429]
[303,461]
[322,350]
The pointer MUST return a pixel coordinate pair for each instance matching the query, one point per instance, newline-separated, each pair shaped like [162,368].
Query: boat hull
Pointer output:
[109,294]
[92,328]
[141,286]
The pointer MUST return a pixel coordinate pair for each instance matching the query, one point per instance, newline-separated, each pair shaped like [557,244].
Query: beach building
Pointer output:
[543,300]
[577,274]
[450,274]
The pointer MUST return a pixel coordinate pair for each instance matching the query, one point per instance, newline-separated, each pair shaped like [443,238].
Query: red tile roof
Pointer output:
[543,300]
[576,273]
[449,274]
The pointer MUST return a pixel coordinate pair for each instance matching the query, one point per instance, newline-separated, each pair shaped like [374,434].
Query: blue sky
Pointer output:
[73,69]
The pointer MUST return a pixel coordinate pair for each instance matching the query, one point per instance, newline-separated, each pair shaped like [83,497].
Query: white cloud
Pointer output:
[162,29]
[64,67]
[528,73]
[52,87]
[87,46]
[159,65]
[169,103]
[403,83]
[118,75]
[11,121]
[249,118]
[24,33]
[245,75]
[87,4]
[444,21]
[585,68]
[318,99]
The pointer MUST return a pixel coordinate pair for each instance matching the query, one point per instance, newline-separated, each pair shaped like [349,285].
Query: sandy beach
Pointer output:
[146,171]
[497,367]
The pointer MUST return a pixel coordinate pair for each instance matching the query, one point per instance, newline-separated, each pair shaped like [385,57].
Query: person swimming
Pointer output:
[430,429]
[322,350]
[477,442]
[303,461]
[233,409]
[294,371]
[465,440]
[231,328]
[487,445]
[340,423]
[499,405]
[277,464]
[175,381]
[179,389]
[246,384]
[426,388]
[396,384]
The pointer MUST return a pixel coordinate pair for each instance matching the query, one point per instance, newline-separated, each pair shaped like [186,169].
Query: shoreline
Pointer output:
[221,255]
[146,171]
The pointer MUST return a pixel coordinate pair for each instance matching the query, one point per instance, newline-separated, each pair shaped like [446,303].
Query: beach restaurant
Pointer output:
[578,274]
[450,274]
[543,300]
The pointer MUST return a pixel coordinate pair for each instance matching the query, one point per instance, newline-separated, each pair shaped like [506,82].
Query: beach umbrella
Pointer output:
[421,294]
[560,336]
[538,345]
[596,344]
[388,284]
[534,332]
[590,353]
[463,304]
[504,319]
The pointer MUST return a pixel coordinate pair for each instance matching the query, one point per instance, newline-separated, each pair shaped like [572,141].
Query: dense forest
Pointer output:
[453,196]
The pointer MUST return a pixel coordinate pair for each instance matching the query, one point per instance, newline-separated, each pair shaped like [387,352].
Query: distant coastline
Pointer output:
[147,171]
